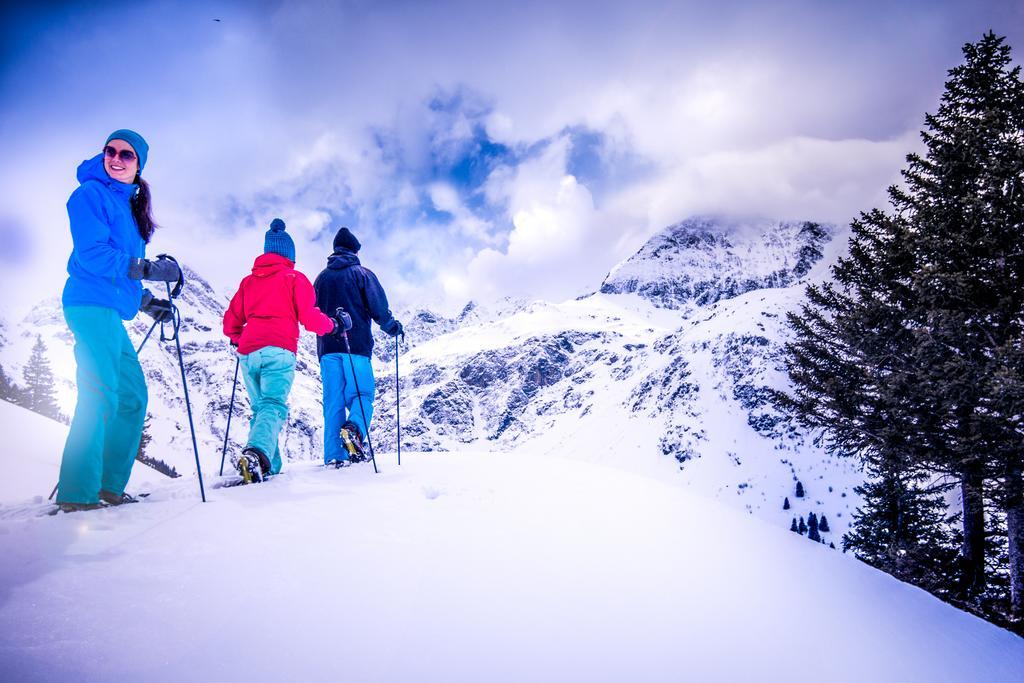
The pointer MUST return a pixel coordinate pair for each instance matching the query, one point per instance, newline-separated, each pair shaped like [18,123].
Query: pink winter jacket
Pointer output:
[269,305]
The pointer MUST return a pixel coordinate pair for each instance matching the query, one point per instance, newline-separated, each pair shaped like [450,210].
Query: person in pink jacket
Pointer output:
[263,322]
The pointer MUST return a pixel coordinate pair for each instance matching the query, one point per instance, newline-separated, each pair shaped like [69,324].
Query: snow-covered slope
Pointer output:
[461,567]
[666,371]
[673,385]
[30,457]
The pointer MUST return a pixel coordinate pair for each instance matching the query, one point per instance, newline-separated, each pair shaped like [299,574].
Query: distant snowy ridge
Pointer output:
[703,260]
[652,379]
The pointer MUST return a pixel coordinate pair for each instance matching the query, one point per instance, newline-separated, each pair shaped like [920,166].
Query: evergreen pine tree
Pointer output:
[785,503]
[803,526]
[812,527]
[901,529]
[912,357]
[793,527]
[144,440]
[7,388]
[799,489]
[823,525]
[143,457]
[963,201]
[39,392]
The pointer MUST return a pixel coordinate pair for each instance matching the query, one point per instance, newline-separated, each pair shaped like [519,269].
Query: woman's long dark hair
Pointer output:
[142,210]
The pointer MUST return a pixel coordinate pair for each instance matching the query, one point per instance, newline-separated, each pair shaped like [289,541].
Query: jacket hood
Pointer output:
[342,258]
[266,265]
[92,169]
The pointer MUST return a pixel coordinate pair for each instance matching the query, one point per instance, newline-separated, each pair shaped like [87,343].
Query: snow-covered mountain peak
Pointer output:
[702,260]
[668,368]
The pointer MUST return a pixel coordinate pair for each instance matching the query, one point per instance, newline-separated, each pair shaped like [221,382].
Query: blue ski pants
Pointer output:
[111,408]
[268,375]
[341,400]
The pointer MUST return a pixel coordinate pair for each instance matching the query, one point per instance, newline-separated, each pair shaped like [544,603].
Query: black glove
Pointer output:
[157,309]
[233,343]
[161,270]
[342,321]
[393,328]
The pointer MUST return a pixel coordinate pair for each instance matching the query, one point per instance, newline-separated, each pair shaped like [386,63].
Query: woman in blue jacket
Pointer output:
[111,223]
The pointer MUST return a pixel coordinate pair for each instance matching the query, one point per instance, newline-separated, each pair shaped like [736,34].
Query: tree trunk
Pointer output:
[973,550]
[1015,531]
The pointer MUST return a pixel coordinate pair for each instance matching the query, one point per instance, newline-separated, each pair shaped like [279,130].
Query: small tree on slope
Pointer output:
[39,394]
[901,529]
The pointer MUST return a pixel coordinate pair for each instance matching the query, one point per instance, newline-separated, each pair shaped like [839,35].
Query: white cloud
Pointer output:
[796,109]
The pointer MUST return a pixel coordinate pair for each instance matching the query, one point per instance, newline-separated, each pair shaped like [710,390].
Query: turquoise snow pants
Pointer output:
[342,402]
[111,408]
[268,374]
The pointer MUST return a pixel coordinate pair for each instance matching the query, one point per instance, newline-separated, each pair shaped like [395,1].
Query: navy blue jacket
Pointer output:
[347,284]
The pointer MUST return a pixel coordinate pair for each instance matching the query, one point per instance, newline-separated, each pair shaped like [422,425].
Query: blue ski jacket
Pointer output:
[105,239]
[347,284]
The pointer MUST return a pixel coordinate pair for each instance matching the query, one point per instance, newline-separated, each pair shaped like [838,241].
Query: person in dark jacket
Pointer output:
[347,373]
[111,224]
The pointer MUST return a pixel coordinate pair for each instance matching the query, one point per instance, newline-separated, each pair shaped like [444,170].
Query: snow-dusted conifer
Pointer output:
[812,527]
[907,357]
[39,392]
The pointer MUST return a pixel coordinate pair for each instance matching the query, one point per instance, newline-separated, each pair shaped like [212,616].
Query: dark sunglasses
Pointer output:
[126,155]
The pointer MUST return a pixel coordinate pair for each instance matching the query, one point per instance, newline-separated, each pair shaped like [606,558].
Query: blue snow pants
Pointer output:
[111,408]
[342,402]
[268,375]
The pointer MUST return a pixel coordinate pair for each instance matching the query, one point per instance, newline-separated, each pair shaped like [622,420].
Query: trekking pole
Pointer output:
[176,320]
[146,338]
[359,397]
[231,408]
[398,405]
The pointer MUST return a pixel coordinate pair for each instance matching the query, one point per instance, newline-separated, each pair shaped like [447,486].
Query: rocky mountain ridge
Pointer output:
[665,369]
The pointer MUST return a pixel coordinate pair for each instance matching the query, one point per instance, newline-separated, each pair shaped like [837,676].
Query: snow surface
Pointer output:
[460,567]
[30,457]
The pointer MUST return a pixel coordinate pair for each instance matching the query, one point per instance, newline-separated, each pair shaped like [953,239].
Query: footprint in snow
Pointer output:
[430,492]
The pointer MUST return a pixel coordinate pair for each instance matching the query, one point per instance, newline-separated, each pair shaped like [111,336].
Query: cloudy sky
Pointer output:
[477,149]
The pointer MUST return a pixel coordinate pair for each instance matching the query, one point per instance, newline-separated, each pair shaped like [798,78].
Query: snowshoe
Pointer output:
[338,464]
[251,465]
[352,439]
[111,498]
[75,507]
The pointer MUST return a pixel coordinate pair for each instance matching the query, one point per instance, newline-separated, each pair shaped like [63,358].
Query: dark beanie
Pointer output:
[277,241]
[346,240]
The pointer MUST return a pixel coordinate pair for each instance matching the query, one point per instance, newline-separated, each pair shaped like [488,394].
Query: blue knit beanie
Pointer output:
[137,142]
[277,241]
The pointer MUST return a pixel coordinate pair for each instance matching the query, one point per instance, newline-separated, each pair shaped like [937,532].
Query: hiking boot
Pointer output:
[352,440]
[338,464]
[111,498]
